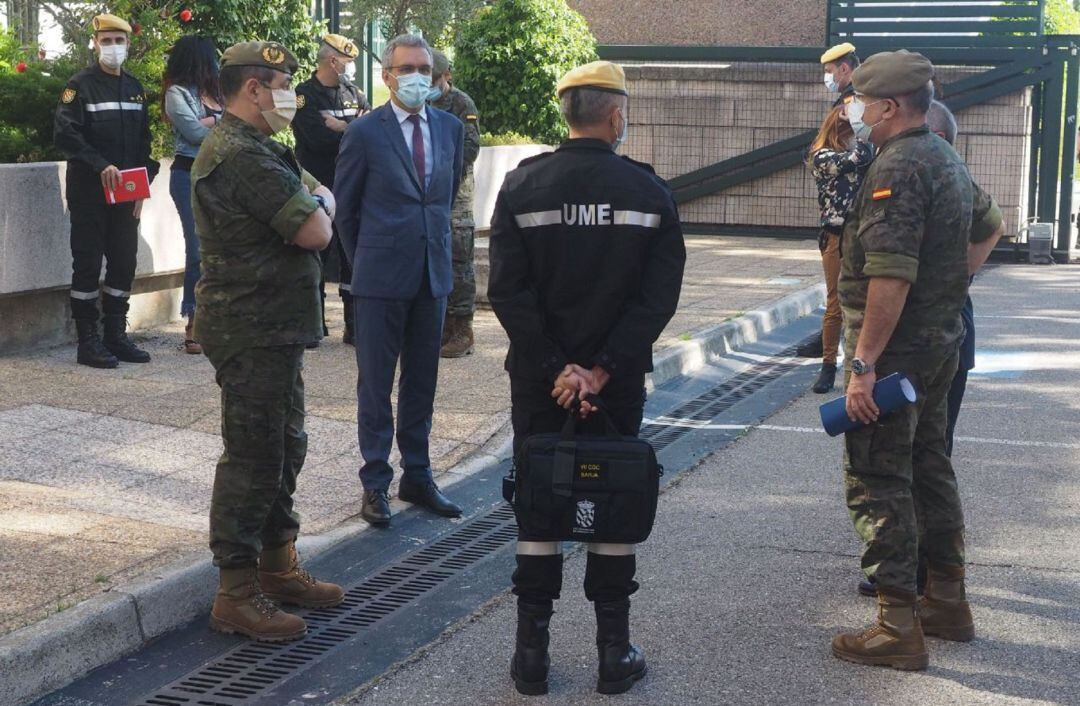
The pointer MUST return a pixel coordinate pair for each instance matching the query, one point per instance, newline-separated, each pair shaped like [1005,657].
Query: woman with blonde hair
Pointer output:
[838,162]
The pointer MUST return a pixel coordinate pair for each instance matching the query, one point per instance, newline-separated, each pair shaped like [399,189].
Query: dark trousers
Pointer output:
[262,427]
[337,265]
[98,229]
[388,330]
[609,568]
[180,190]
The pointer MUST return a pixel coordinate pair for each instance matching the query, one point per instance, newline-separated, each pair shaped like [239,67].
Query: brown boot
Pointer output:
[944,611]
[461,341]
[190,344]
[449,326]
[895,640]
[240,607]
[283,580]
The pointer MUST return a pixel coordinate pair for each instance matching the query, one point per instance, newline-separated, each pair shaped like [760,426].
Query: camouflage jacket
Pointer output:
[250,198]
[458,102]
[913,218]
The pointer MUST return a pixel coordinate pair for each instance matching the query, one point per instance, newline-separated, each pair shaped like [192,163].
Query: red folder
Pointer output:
[134,185]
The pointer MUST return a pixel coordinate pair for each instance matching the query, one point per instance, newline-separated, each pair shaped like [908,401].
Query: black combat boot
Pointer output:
[118,343]
[529,666]
[825,379]
[621,663]
[91,351]
[349,337]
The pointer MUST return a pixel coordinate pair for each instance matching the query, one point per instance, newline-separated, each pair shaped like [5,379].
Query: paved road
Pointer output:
[753,564]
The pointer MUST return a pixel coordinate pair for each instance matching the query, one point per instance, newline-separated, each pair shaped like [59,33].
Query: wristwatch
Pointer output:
[322,203]
[861,367]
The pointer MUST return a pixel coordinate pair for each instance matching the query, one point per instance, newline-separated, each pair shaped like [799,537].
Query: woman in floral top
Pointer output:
[838,162]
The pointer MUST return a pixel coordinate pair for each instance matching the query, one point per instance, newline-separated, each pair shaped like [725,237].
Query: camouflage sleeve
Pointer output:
[893,213]
[985,215]
[309,182]
[471,118]
[271,193]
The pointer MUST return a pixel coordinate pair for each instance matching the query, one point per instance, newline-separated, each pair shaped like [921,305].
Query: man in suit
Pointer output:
[398,170]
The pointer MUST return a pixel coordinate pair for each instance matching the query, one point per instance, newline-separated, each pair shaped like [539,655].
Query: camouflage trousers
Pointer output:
[462,301]
[262,426]
[900,485]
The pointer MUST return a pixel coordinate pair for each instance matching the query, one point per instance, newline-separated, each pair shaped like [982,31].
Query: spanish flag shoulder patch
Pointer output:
[880,194]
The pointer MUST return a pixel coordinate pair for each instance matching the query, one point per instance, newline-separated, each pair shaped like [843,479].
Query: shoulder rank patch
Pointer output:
[880,194]
[68,95]
[301,100]
[470,118]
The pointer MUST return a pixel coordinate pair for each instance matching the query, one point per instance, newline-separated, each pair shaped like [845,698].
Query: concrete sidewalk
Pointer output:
[105,476]
[753,564]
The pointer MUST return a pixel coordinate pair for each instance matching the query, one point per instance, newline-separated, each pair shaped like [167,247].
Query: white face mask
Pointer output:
[113,56]
[856,109]
[831,84]
[281,115]
[350,71]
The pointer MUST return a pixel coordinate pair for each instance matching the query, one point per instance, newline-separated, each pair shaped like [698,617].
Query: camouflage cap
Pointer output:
[110,23]
[342,45]
[268,55]
[440,64]
[892,73]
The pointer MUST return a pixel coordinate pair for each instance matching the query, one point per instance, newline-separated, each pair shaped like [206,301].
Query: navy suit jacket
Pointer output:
[389,225]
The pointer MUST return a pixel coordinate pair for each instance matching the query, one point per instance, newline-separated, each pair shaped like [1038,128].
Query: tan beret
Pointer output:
[269,55]
[439,63]
[892,73]
[342,45]
[602,75]
[110,23]
[837,52]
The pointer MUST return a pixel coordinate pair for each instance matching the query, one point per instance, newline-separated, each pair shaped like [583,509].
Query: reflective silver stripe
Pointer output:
[85,296]
[636,218]
[539,218]
[120,294]
[112,105]
[539,548]
[346,113]
[612,549]
[345,288]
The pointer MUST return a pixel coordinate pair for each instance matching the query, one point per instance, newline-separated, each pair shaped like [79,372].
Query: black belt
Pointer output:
[182,163]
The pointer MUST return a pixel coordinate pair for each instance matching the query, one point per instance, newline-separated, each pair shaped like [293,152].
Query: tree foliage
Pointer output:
[509,57]
[1061,17]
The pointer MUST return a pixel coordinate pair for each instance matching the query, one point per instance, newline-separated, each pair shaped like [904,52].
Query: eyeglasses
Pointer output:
[406,69]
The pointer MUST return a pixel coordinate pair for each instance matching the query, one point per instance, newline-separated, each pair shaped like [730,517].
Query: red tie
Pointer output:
[418,149]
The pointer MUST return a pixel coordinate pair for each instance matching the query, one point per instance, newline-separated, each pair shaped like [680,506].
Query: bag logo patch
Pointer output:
[586,515]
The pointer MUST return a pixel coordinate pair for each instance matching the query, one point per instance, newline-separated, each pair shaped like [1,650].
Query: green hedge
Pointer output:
[510,55]
[487,139]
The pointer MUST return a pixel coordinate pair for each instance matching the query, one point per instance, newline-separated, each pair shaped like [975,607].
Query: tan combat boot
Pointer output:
[895,640]
[283,580]
[461,340]
[944,611]
[240,607]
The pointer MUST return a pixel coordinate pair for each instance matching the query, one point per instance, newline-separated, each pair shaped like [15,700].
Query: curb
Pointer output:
[52,653]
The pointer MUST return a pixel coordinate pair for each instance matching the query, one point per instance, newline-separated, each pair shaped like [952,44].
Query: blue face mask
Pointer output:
[434,94]
[855,111]
[413,90]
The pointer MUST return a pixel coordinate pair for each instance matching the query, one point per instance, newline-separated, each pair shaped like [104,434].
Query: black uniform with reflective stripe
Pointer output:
[316,144]
[101,120]
[587,259]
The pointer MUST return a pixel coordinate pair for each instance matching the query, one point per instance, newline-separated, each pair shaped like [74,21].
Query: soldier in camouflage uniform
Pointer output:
[457,338]
[262,220]
[916,229]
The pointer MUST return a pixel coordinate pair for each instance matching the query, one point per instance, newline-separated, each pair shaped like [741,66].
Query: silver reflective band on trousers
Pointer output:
[525,548]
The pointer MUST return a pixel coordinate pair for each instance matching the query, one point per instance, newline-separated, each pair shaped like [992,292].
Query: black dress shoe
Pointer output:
[376,507]
[428,495]
[868,587]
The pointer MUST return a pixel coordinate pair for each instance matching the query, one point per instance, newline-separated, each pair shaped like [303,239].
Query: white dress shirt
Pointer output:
[407,132]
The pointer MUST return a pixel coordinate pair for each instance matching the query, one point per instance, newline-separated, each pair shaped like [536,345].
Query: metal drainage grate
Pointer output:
[249,670]
[680,421]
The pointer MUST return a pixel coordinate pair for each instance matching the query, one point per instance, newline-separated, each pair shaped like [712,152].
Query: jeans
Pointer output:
[180,190]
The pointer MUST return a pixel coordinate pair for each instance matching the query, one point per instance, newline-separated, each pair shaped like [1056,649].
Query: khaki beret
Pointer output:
[837,52]
[269,55]
[439,63]
[342,45]
[110,23]
[892,73]
[601,75]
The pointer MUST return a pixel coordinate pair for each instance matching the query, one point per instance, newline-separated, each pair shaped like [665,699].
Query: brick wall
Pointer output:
[686,117]
[755,23]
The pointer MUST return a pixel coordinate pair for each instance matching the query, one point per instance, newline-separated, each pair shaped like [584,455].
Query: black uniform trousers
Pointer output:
[608,576]
[99,229]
